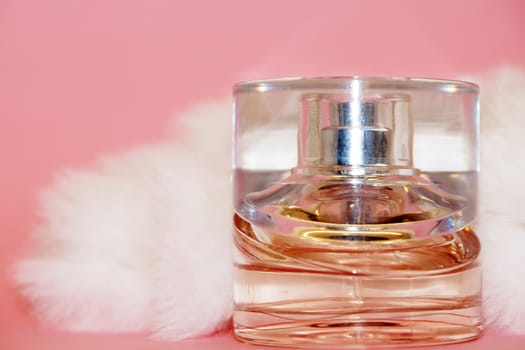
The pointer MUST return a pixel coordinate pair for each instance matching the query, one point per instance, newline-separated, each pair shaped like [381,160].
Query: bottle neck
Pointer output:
[355,133]
[354,171]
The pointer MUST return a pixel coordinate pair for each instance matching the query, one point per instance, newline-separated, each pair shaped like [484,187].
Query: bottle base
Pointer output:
[305,294]
[357,333]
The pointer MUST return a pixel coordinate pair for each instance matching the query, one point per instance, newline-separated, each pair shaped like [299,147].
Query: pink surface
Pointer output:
[22,340]
[82,78]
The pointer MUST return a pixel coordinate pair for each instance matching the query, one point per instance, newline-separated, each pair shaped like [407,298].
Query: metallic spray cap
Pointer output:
[353,138]
[346,131]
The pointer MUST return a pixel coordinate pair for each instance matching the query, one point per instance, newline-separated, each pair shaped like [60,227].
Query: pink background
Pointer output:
[83,78]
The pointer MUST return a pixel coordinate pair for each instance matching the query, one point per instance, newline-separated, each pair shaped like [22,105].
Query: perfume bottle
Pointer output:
[353,245]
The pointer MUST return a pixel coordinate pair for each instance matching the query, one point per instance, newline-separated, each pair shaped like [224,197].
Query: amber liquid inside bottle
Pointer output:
[347,264]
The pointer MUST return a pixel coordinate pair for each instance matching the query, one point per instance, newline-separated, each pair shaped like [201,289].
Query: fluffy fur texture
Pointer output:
[501,219]
[142,241]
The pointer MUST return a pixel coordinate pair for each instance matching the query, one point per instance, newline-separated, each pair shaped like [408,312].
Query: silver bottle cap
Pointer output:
[353,137]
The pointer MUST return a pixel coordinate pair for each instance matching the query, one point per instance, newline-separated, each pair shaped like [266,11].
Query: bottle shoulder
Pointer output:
[410,226]
[358,201]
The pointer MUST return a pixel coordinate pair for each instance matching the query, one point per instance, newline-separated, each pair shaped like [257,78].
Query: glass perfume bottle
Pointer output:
[353,245]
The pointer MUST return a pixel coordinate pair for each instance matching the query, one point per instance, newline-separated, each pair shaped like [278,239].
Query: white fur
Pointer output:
[502,198]
[193,278]
[142,241]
